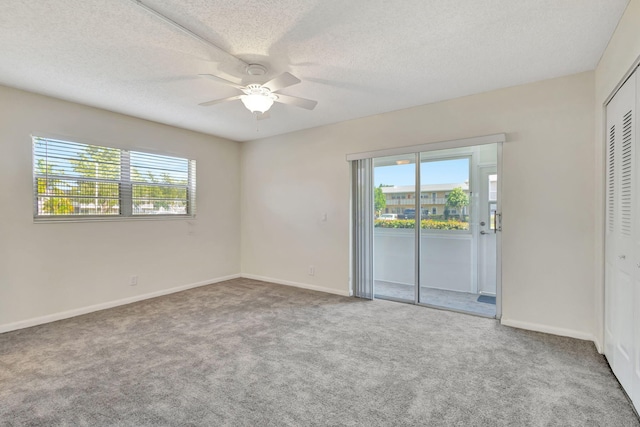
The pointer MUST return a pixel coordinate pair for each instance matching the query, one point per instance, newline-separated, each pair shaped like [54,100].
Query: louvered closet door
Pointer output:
[622,243]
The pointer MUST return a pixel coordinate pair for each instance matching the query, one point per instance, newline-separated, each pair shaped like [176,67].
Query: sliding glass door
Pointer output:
[435,228]
[446,241]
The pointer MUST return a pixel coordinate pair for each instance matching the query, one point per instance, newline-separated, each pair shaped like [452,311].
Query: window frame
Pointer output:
[125,184]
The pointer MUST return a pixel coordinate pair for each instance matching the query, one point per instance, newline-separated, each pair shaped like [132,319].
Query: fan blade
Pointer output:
[298,102]
[282,81]
[218,101]
[221,80]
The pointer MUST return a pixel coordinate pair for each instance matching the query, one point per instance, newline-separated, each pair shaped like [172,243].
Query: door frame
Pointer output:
[499,235]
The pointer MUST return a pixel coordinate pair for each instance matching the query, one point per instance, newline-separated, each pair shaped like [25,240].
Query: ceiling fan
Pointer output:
[258,98]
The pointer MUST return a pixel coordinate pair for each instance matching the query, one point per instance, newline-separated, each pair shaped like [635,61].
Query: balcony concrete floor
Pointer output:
[460,301]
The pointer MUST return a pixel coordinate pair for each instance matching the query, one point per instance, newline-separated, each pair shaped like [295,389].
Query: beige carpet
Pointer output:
[247,353]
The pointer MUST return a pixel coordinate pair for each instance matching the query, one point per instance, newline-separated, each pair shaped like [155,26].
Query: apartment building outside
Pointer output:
[433,198]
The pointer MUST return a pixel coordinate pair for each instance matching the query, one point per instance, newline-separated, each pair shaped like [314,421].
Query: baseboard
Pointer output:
[599,346]
[103,306]
[548,329]
[296,284]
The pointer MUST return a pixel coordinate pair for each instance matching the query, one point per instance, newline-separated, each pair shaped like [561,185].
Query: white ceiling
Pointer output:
[356,58]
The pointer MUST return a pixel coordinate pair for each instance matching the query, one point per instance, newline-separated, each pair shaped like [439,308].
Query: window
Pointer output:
[434,211]
[493,187]
[78,180]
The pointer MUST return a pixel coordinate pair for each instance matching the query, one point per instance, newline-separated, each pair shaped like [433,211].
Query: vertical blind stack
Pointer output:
[362,182]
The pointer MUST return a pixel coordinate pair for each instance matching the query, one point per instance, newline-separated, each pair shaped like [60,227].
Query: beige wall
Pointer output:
[620,55]
[47,269]
[290,181]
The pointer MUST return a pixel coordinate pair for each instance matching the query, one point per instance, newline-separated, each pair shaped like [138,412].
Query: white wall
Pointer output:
[47,268]
[290,181]
[621,53]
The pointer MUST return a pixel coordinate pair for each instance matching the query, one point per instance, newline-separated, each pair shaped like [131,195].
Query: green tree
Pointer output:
[458,199]
[100,163]
[58,206]
[159,191]
[50,192]
[380,201]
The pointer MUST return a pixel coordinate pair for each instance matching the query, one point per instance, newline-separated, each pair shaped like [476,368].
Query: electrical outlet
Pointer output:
[133,280]
[312,270]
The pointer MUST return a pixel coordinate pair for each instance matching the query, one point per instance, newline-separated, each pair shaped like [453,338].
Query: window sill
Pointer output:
[45,220]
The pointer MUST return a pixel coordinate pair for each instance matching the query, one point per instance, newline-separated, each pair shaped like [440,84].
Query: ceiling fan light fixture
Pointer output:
[257,103]
[258,98]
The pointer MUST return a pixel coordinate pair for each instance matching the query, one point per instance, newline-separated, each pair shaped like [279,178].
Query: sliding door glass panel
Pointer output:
[394,233]
[447,267]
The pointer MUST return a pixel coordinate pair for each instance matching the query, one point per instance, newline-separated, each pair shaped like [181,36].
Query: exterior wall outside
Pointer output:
[397,202]
[547,265]
[49,268]
[445,259]
[622,51]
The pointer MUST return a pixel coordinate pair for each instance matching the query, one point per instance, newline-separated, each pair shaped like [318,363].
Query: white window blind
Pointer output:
[80,180]
[160,184]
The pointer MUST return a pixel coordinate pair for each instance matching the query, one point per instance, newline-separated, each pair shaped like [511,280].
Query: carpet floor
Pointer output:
[248,353]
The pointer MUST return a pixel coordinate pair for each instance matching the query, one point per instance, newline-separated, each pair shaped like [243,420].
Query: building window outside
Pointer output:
[74,180]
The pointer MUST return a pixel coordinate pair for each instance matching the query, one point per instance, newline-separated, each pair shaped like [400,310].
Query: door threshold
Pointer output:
[385,298]
[457,310]
[437,307]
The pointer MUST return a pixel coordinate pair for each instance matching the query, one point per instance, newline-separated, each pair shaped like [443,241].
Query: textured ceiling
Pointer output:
[356,58]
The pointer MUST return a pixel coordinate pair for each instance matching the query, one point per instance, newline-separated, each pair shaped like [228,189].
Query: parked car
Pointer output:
[411,214]
[388,217]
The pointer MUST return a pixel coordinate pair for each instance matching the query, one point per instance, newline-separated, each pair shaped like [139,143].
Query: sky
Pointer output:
[433,172]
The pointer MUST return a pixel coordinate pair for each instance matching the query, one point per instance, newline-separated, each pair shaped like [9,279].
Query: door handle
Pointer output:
[484,232]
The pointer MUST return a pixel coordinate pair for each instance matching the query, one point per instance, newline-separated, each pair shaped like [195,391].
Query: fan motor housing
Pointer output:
[256,70]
